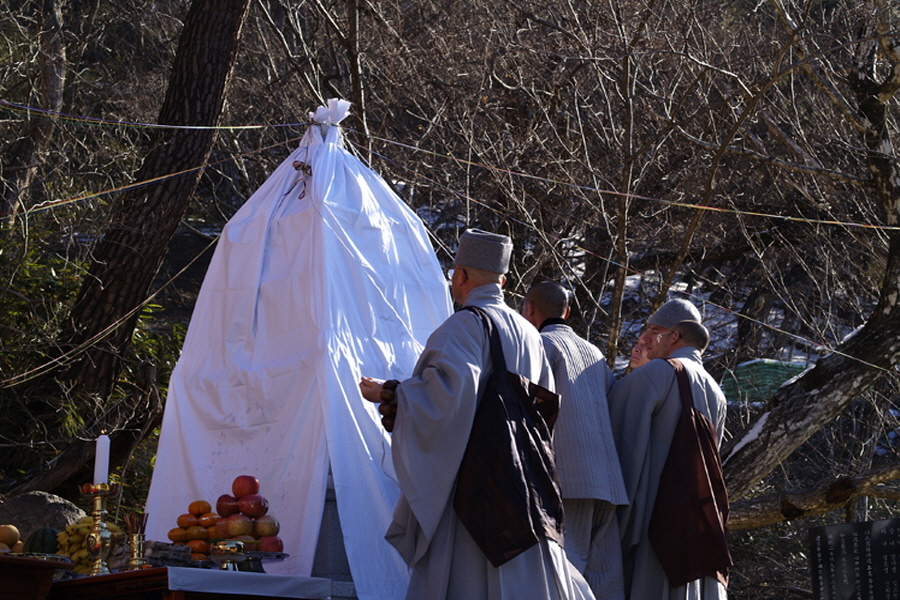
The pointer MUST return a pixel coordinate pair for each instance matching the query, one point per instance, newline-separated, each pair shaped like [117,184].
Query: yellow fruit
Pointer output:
[4,547]
[81,556]
[19,546]
[9,535]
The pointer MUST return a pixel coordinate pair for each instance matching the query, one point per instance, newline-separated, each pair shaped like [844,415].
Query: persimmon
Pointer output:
[207,519]
[198,546]
[199,507]
[186,520]
[195,532]
[178,534]
[196,556]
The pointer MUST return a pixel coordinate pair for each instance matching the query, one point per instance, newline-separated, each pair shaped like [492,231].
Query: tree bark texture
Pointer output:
[824,498]
[127,258]
[802,408]
[128,422]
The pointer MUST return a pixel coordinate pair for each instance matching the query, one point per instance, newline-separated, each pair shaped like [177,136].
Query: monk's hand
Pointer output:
[371,389]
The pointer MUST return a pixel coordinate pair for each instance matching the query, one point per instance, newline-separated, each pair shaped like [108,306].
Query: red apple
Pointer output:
[266,526]
[271,543]
[222,528]
[227,505]
[253,505]
[244,485]
[239,525]
[250,543]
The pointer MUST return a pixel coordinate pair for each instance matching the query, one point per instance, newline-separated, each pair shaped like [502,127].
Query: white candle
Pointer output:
[101,460]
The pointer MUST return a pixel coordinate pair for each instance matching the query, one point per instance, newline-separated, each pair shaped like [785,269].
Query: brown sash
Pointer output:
[688,527]
[507,491]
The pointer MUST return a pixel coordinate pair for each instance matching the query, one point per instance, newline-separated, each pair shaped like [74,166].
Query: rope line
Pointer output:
[95,121]
[50,204]
[586,188]
[630,270]
[68,356]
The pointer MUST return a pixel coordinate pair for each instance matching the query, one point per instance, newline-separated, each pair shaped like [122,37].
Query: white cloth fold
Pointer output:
[323,275]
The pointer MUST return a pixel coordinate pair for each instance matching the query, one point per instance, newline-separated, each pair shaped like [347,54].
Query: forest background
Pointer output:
[737,154]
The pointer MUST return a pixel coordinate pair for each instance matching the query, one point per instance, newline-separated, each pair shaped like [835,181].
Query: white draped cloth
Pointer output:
[323,275]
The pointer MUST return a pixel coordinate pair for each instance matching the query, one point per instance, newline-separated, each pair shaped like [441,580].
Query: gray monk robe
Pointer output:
[435,410]
[644,408]
[589,472]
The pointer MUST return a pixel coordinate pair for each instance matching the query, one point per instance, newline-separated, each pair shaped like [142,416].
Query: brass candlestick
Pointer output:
[100,539]
[136,525]
[136,544]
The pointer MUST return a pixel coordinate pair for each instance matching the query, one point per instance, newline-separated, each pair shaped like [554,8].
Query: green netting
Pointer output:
[757,380]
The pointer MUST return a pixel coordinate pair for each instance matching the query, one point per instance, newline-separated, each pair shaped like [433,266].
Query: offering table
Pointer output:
[181,583]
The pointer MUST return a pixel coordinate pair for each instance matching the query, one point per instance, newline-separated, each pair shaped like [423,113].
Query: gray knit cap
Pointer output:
[482,250]
[673,312]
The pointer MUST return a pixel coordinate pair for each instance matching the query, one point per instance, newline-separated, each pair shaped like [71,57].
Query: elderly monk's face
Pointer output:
[658,340]
[457,282]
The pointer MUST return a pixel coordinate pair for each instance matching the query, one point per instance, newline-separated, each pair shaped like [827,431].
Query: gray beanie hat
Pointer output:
[482,250]
[673,312]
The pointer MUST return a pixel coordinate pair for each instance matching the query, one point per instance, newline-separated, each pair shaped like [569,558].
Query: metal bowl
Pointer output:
[228,554]
[226,547]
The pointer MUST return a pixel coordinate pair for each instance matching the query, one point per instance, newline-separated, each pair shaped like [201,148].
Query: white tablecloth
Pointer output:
[240,582]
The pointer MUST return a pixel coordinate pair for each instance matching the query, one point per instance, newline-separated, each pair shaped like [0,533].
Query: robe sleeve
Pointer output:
[435,410]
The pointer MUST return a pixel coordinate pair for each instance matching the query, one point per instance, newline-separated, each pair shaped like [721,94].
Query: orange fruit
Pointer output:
[211,531]
[187,520]
[199,507]
[9,535]
[195,532]
[199,546]
[178,534]
[197,556]
[207,519]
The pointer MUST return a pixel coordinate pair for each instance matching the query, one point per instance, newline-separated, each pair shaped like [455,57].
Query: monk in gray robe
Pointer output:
[644,408]
[434,412]
[589,472]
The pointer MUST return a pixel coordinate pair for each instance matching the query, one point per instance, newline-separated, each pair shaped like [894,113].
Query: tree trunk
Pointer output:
[131,251]
[129,422]
[824,498]
[127,258]
[800,409]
